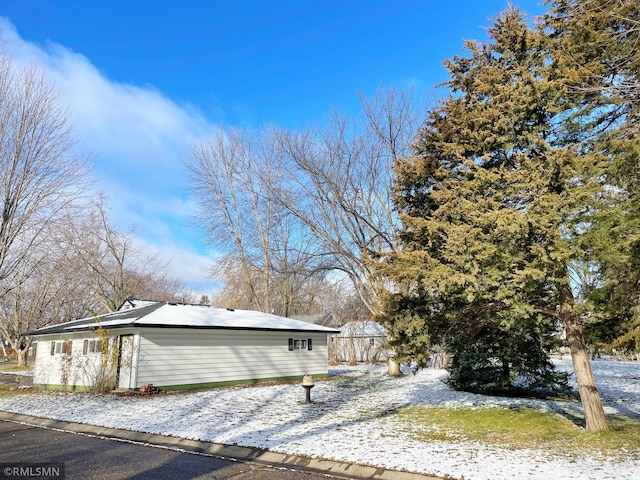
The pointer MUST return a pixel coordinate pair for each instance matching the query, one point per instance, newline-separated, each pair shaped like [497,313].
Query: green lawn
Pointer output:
[522,428]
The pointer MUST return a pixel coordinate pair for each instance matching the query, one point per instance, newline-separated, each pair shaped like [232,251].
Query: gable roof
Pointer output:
[324,319]
[172,315]
[130,303]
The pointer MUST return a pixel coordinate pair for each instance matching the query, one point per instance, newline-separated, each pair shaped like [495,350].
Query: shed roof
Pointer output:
[171,315]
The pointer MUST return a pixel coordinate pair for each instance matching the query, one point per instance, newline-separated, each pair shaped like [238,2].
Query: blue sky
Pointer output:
[146,80]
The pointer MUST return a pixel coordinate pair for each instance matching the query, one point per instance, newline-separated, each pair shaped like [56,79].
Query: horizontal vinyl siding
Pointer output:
[75,370]
[48,368]
[185,356]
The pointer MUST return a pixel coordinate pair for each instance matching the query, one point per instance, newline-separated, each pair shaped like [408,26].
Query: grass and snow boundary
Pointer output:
[353,419]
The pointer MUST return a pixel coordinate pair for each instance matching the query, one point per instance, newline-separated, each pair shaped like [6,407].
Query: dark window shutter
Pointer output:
[85,347]
[309,344]
[53,348]
[290,344]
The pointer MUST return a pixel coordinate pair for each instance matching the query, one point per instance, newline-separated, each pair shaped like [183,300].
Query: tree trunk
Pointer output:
[505,376]
[589,396]
[393,367]
[22,357]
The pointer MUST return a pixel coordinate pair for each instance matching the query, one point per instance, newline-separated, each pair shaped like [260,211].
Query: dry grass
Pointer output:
[12,366]
[522,428]
[11,389]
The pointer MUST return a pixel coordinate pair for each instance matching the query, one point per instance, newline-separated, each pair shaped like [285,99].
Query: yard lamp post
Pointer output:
[307,384]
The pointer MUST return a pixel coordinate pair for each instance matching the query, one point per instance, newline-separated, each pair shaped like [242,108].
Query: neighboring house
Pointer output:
[324,319]
[360,342]
[175,346]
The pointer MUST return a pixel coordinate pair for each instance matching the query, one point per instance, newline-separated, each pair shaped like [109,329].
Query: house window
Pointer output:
[61,347]
[300,344]
[372,342]
[92,346]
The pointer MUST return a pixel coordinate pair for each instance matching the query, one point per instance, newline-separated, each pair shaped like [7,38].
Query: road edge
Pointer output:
[218,450]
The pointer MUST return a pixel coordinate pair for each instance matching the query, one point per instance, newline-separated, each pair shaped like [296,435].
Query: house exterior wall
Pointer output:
[177,358]
[68,366]
[356,349]
[195,358]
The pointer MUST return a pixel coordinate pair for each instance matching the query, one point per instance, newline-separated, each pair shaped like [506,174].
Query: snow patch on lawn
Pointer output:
[352,420]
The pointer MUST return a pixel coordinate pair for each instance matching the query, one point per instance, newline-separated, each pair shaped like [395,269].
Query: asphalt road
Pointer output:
[86,457]
[7,378]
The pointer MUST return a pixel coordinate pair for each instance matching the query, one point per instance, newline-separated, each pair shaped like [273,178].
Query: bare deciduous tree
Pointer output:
[340,182]
[39,293]
[234,213]
[297,290]
[41,176]
[41,181]
[341,185]
[287,207]
[113,265]
[233,177]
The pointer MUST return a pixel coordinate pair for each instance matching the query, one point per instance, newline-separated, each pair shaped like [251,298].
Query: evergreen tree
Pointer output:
[505,358]
[595,53]
[492,204]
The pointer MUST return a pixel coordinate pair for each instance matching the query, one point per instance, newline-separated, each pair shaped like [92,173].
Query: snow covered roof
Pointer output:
[325,319]
[129,303]
[362,329]
[171,315]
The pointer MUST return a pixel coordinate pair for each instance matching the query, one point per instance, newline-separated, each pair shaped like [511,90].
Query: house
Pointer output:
[360,342]
[177,346]
[324,319]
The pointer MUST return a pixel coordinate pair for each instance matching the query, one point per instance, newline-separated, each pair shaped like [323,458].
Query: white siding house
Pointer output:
[360,342]
[174,346]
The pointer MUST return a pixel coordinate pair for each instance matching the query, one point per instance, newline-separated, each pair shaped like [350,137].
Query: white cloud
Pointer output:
[127,124]
[186,264]
[139,139]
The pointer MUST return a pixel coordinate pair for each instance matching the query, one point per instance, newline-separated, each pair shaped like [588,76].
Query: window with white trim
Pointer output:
[92,346]
[59,347]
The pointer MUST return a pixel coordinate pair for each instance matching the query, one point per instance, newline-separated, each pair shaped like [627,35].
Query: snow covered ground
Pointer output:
[351,420]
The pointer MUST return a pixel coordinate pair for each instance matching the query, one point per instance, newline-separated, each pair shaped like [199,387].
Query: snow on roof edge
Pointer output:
[173,315]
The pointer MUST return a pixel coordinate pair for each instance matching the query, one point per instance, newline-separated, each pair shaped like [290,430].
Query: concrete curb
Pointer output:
[245,454]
